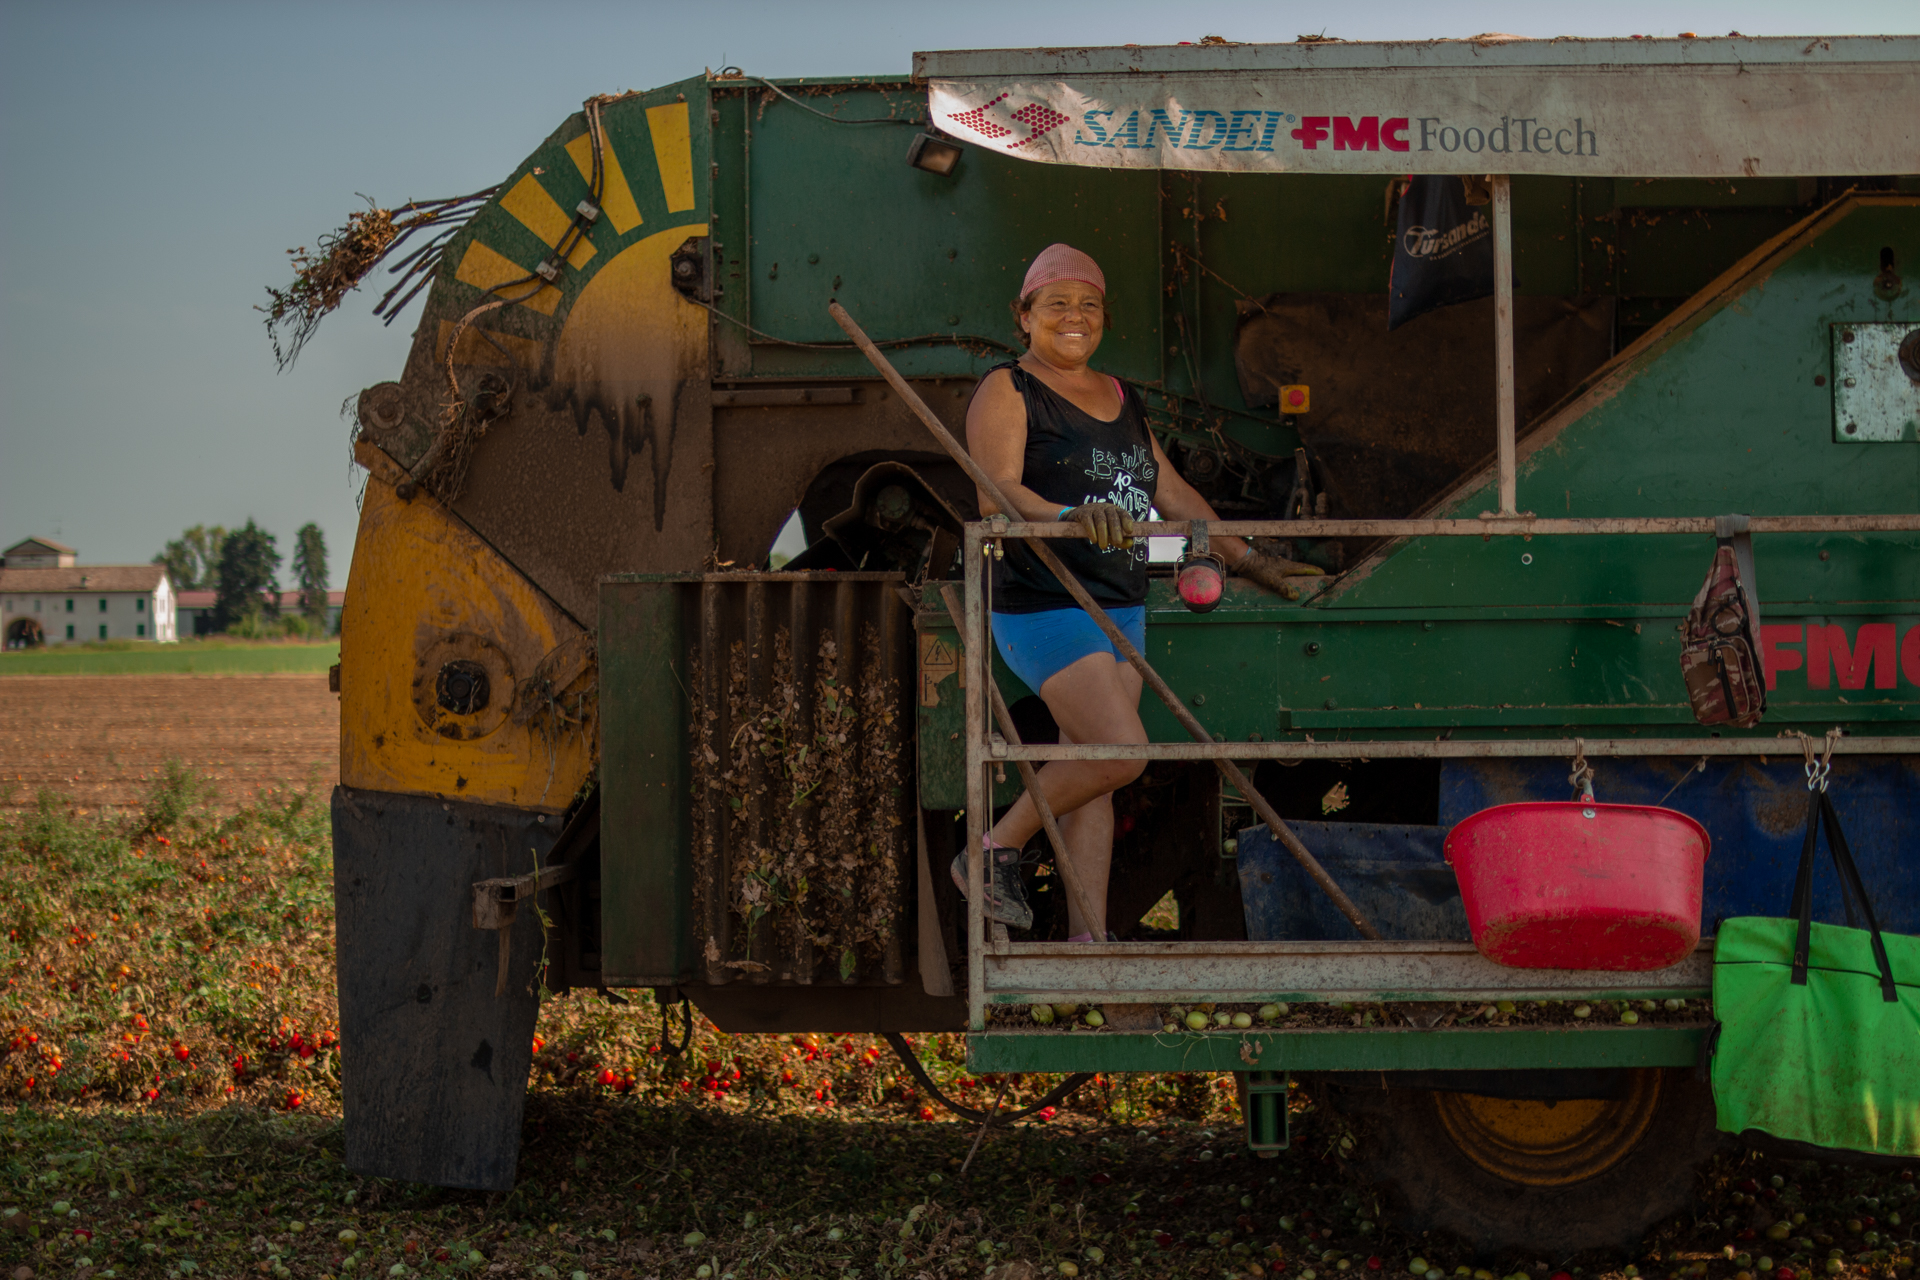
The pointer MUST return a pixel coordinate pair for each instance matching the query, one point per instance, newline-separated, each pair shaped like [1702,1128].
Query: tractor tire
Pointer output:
[1528,1173]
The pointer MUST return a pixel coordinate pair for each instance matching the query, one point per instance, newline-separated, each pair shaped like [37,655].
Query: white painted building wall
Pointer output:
[80,616]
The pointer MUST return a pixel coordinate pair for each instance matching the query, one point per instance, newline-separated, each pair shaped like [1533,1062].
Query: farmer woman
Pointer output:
[1065,443]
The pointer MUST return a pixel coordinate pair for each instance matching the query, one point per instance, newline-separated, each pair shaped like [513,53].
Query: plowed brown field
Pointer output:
[100,738]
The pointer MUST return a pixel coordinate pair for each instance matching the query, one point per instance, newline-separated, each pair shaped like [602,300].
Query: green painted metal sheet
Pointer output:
[1728,412]
[645,867]
[1493,1049]
[836,212]
[801,202]
[1253,673]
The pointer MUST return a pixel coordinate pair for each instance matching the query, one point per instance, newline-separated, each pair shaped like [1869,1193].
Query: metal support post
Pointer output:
[1503,338]
[1263,1103]
[979,789]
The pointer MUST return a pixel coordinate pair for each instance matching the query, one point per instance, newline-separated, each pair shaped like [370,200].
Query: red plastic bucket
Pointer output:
[1579,885]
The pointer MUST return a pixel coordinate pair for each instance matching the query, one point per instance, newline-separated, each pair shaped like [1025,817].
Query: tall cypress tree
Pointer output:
[310,572]
[249,563]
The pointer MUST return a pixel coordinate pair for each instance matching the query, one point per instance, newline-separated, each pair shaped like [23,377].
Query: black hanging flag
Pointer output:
[1444,252]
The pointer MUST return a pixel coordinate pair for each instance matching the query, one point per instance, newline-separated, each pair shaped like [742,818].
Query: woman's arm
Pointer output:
[1178,500]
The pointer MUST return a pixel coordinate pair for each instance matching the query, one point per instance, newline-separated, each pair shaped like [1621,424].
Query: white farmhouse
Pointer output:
[47,598]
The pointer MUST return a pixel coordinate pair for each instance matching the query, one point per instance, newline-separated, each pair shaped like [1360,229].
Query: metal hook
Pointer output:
[1581,779]
[1819,770]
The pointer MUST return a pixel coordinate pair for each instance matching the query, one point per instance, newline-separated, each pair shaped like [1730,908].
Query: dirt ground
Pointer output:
[99,738]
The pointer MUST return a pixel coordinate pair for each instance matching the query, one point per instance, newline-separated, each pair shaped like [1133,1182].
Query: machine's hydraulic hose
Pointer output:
[667,1046]
[1228,769]
[905,1053]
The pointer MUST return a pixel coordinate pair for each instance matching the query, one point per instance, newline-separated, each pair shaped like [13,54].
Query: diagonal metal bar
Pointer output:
[1031,782]
[1228,769]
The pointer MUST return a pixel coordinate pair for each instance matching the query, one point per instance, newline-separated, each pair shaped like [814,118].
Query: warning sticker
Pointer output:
[938,660]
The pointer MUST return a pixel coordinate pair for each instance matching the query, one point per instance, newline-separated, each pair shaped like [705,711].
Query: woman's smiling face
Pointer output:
[1064,324]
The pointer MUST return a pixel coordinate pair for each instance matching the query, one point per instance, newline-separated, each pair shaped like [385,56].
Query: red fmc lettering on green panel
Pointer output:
[1880,655]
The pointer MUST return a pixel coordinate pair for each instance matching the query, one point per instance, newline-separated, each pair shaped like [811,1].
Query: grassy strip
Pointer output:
[169,1106]
[189,657]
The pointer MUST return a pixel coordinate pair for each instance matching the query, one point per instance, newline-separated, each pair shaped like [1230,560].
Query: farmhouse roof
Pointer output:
[291,599]
[288,599]
[96,578]
[38,546]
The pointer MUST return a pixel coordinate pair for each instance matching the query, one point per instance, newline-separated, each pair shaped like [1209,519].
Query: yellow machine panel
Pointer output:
[458,678]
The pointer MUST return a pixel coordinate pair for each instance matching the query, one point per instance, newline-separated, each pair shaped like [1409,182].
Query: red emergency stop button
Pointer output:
[1294,399]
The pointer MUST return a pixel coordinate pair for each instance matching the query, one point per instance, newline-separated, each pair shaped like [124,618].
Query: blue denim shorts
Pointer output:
[1038,645]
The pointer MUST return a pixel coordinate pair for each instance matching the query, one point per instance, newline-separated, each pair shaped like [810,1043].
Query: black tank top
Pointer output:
[1074,458]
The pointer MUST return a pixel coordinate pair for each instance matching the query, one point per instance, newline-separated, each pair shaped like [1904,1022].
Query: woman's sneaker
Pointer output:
[1006,895]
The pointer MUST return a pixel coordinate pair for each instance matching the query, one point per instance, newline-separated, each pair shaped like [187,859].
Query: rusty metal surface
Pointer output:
[1876,378]
[802,838]
[1147,972]
[601,457]
[767,456]
[1397,417]
[766,397]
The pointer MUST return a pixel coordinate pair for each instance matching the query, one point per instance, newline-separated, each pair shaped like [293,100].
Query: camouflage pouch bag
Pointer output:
[1720,654]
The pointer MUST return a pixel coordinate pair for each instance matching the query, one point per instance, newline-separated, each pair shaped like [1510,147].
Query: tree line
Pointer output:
[241,567]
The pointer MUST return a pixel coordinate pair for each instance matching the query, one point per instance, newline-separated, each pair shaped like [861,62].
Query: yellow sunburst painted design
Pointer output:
[616,197]
[475,347]
[485,268]
[673,150]
[541,214]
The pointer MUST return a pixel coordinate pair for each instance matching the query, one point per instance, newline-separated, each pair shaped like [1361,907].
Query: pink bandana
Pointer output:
[1062,262]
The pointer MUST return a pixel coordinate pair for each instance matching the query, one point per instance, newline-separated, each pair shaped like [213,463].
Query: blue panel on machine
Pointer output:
[1755,813]
[1395,874]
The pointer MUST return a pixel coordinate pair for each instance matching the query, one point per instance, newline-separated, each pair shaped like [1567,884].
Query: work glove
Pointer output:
[1107,524]
[1271,573]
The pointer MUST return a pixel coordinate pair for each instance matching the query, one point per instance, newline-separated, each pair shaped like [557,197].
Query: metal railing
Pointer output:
[999,970]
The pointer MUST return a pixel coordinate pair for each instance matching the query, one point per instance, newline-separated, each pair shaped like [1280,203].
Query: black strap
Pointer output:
[1800,907]
[1852,888]
[1850,875]
[667,1045]
[907,1056]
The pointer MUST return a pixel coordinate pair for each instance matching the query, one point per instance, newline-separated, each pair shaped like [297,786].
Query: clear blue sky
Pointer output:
[159,158]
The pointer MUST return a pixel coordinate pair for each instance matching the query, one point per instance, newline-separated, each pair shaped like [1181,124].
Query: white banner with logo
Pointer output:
[1716,121]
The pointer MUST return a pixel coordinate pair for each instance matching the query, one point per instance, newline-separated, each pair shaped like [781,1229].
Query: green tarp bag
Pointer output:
[1819,1035]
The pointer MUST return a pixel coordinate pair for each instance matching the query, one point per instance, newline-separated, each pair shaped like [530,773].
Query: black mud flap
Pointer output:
[433,1064]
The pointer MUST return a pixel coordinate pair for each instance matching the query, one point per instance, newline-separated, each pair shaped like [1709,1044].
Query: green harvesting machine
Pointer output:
[577,679]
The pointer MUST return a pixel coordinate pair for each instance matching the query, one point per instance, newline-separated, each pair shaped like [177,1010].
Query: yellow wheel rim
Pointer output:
[1549,1144]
